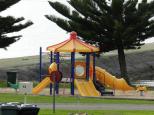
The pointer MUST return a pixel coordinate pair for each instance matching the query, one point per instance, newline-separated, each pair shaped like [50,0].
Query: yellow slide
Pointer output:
[109,80]
[46,81]
[86,88]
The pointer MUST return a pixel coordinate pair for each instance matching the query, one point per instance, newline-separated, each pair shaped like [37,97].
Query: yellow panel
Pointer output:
[109,80]
[86,88]
[66,47]
[81,47]
[80,87]
[87,45]
[46,81]
[83,64]
[72,45]
[54,47]
[52,67]
[92,90]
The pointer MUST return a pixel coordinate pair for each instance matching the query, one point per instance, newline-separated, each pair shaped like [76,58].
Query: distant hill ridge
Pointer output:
[140,65]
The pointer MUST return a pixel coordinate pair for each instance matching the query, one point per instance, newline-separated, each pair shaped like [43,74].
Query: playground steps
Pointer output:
[106,93]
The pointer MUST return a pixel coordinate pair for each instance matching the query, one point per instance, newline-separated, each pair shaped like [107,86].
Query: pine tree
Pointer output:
[10,24]
[109,24]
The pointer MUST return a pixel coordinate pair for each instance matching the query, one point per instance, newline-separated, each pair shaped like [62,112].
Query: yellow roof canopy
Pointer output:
[73,44]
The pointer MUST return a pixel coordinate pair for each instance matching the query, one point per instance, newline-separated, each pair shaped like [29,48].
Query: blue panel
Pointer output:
[57,88]
[58,62]
[94,73]
[50,57]
[72,72]
[50,83]
[50,88]
[87,65]
[40,78]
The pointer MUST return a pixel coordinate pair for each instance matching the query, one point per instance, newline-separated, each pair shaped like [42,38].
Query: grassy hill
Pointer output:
[140,64]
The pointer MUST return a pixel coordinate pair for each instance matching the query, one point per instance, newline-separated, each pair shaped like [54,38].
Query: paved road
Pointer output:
[98,106]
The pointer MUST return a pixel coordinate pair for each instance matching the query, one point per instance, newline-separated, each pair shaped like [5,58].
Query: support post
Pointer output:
[40,76]
[58,62]
[50,83]
[94,73]
[54,98]
[51,57]
[87,65]
[72,72]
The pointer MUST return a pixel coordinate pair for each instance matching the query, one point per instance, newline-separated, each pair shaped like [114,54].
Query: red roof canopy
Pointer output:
[73,44]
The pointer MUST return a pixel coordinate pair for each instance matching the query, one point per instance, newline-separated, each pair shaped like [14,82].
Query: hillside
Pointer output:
[140,64]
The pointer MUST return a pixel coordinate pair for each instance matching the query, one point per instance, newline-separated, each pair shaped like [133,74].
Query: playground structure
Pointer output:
[48,79]
[87,77]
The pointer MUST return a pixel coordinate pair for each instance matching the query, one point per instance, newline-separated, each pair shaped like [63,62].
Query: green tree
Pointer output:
[10,24]
[109,24]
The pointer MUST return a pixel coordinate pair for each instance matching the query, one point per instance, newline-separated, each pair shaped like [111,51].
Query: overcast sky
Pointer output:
[42,33]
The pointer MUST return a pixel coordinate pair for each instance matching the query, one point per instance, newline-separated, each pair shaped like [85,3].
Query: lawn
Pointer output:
[98,112]
[2,84]
[75,99]
[66,99]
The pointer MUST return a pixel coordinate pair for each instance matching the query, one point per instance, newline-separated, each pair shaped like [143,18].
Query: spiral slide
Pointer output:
[46,81]
[86,88]
[107,79]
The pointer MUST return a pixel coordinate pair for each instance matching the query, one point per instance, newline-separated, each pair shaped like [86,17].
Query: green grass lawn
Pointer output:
[75,99]
[66,99]
[2,84]
[97,112]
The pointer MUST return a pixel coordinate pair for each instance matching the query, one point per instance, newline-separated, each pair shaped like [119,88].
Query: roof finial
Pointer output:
[73,35]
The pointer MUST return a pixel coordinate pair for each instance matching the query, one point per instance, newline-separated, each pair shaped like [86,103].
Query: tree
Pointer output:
[10,24]
[109,24]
